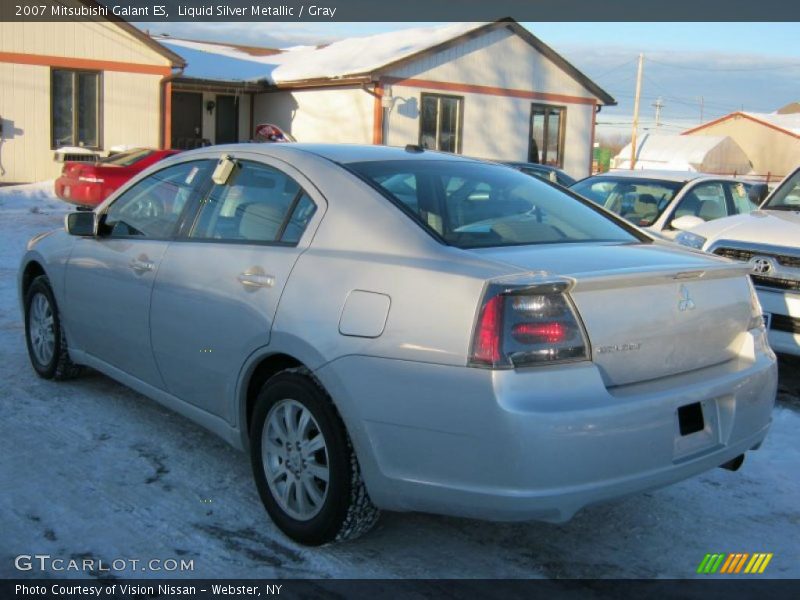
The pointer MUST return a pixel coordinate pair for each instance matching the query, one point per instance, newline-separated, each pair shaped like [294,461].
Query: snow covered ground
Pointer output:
[91,469]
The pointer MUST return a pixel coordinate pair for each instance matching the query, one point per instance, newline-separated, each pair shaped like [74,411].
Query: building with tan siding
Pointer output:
[770,140]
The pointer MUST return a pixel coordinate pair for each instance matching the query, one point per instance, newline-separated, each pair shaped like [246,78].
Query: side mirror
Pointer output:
[83,223]
[686,222]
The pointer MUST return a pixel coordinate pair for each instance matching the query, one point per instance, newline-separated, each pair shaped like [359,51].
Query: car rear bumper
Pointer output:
[784,310]
[539,443]
[79,193]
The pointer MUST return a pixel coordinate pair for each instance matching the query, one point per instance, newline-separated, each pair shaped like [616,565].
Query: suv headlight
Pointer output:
[687,238]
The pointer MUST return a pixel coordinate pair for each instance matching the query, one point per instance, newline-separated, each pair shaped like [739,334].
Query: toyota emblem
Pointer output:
[761,265]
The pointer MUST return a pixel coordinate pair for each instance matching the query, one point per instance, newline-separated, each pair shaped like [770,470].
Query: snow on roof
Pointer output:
[351,56]
[788,122]
[202,63]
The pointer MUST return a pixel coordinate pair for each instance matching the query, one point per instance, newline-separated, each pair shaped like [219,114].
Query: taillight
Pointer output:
[528,325]
[486,347]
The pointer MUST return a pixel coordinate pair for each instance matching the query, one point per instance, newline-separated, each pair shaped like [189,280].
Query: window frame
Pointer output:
[459,120]
[561,132]
[98,107]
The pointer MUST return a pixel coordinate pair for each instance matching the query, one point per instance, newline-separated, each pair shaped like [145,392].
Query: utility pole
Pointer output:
[636,110]
[702,106]
[659,104]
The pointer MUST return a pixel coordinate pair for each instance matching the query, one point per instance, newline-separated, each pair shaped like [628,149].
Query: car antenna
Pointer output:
[414,148]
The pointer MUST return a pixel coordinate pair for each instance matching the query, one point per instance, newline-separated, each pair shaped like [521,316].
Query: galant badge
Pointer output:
[761,265]
[685,303]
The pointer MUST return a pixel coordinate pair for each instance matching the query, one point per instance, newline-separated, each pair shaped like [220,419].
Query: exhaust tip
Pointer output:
[733,464]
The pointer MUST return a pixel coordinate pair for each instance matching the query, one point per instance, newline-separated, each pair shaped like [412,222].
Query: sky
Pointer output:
[700,71]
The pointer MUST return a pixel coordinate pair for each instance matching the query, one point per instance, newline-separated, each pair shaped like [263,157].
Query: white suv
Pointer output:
[769,239]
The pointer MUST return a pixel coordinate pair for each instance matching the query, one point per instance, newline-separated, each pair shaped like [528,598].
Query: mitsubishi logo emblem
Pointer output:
[760,265]
[685,302]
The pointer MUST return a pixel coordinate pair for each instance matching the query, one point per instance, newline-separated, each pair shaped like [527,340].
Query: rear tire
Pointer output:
[44,336]
[304,465]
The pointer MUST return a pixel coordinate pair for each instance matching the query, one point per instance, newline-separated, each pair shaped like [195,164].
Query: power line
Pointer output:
[733,69]
[625,64]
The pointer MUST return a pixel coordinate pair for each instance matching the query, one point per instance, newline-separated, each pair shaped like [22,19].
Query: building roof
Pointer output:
[791,108]
[348,60]
[785,123]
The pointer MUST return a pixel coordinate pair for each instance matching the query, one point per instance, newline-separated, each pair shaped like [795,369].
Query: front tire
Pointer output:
[47,344]
[304,465]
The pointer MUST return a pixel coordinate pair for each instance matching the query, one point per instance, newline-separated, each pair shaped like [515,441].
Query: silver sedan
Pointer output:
[389,328]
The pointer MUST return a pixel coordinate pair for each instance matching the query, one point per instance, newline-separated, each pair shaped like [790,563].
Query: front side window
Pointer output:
[640,201]
[153,206]
[257,204]
[440,122]
[547,135]
[470,205]
[705,200]
[75,108]
[745,196]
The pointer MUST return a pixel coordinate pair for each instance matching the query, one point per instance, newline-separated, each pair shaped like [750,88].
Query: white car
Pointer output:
[769,239]
[665,202]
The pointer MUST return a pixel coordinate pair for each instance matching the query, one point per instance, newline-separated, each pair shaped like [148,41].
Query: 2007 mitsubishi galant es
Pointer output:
[399,329]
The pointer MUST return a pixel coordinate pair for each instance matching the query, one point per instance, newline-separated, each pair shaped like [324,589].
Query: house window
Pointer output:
[547,135]
[440,122]
[75,97]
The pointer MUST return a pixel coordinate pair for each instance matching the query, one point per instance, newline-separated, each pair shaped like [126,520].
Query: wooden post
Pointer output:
[636,110]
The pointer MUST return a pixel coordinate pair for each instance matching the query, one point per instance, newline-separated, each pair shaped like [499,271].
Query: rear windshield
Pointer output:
[472,205]
[126,159]
[640,201]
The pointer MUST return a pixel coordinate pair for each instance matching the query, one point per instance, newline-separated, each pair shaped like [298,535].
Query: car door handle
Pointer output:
[253,281]
[141,265]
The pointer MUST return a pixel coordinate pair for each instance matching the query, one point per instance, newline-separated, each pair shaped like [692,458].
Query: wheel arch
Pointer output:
[32,269]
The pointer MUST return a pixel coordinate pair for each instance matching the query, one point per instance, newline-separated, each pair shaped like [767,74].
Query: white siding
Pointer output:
[77,39]
[131,113]
[495,126]
[130,102]
[326,115]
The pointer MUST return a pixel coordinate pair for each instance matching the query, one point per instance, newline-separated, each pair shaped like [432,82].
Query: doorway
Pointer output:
[227,123]
[187,120]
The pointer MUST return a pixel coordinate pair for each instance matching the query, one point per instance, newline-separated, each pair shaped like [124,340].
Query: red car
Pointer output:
[88,184]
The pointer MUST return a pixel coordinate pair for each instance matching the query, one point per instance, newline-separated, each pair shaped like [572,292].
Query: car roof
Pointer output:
[678,176]
[347,153]
[530,165]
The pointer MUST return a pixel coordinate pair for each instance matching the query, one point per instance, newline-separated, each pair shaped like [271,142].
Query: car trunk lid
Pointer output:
[649,311]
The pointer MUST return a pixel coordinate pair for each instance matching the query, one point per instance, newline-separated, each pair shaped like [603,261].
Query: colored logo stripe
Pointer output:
[734,563]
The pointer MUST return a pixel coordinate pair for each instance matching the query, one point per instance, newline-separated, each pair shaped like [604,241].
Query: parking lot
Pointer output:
[91,469]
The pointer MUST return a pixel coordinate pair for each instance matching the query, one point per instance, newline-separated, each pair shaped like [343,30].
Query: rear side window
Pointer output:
[258,204]
[473,205]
